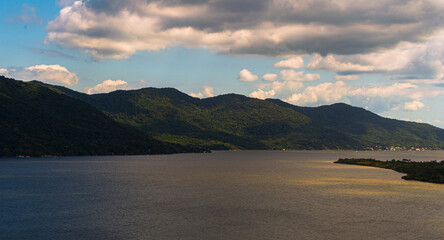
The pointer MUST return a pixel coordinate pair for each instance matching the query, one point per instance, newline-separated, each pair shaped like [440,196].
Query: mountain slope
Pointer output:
[36,121]
[370,127]
[237,122]
[224,122]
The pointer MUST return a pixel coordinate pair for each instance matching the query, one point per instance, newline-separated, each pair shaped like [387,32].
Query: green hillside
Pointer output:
[36,121]
[237,122]
[371,128]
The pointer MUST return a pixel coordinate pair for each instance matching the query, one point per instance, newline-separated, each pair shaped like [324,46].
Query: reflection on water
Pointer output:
[223,195]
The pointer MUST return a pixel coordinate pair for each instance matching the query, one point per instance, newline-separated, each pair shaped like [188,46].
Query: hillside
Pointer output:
[37,121]
[370,127]
[237,122]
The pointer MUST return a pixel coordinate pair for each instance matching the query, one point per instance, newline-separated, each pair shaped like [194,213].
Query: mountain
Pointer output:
[237,122]
[36,120]
[371,128]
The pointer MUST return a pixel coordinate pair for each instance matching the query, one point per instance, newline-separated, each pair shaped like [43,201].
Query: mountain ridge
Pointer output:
[233,121]
[37,121]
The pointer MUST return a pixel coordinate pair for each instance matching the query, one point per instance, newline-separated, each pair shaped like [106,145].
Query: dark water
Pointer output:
[223,195]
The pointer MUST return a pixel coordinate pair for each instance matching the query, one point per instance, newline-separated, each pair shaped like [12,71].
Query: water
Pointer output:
[222,195]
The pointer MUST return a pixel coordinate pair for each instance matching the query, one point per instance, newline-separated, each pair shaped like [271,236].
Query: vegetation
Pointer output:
[42,119]
[237,122]
[432,171]
[370,129]
[36,121]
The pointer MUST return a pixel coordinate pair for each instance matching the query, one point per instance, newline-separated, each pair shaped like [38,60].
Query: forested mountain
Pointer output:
[372,128]
[237,122]
[37,121]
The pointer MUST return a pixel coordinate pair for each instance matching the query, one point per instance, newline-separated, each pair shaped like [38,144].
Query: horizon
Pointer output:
[385,58]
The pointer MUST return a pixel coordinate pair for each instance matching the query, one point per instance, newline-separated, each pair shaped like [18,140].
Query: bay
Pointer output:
[222,195]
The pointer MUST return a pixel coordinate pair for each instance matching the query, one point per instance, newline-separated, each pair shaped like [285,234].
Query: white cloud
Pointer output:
[320,94]
[291,75]
[207,92]
[346,77]
[413,106]
[276,89]
[377,98]
[270,77]
[330,63]
[294,62]
[107,86]
[261,94]
[247,76]
[416,62]
[53,74]
[117,29]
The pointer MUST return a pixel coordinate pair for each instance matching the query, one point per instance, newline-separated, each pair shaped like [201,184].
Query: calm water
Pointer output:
[222,195]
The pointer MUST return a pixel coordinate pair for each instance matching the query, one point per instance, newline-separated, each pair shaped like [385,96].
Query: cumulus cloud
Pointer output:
[117,29]
[291,75]
[207,92]
[270,77]
[53,74]
[346,77]
[389,97]
[276,89]
[294,62]
[107,86]
[420,62]
[413,106]
[320,94]
[331,63]
[261,94]
[378,98]
[247,76]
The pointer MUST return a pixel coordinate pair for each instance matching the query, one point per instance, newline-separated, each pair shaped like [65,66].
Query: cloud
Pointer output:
[207,92]
[51,53]
[294,62]
[65,2]
[377,98]
[117,29]
[28,15]
[291,75]
[247,76]
[346,77]
[331,63]
[420,62]
[261,94]
[107,86]
[320,94]
[276,89]
[440,122]
[270,77]
[53,74]
[413,106]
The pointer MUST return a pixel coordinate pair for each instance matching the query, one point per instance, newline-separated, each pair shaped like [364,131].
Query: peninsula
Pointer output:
[432,171]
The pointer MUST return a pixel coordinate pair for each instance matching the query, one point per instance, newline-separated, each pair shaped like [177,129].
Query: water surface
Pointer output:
[222,195]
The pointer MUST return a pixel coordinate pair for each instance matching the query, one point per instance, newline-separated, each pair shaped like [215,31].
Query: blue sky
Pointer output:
[386,56]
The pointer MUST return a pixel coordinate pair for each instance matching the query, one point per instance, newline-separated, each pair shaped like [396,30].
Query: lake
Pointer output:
[222,195]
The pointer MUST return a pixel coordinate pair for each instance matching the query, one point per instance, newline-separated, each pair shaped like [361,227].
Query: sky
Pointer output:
[386,56]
